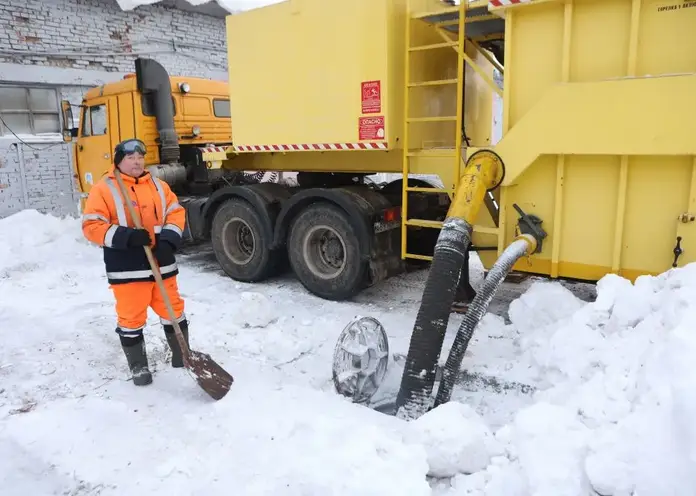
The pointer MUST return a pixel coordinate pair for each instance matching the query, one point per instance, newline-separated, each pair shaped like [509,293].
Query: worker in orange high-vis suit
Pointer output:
[107,223]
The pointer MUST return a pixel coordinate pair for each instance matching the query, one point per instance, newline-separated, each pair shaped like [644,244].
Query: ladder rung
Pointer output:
[442,118]
[417,189]
[433,224]
[447,10]
[418,257]
[482,18]
[453,22]
[434,46]
[486,230]
[436,224]
[439,82]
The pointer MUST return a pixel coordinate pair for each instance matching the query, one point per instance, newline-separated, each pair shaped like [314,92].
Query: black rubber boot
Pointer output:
[136,355]
[177,360]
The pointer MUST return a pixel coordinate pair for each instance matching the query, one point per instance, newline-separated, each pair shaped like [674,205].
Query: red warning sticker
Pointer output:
[371,128]
[371,97]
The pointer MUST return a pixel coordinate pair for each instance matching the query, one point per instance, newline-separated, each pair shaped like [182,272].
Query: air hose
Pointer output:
[524,244]
[484,171]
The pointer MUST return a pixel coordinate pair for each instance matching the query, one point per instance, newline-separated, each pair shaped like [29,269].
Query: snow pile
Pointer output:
[290,441]
[456,440]
[71,421]
[230,5]
[616,403]
[613,410]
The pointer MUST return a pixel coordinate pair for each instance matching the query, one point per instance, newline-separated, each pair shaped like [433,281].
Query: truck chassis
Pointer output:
[338,233]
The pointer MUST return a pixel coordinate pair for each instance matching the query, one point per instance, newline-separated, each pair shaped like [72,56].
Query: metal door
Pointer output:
[94,144]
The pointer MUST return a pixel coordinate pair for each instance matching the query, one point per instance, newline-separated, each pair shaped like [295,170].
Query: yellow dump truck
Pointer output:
[595,166]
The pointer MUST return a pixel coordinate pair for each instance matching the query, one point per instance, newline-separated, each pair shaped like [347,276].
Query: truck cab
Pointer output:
[110,113]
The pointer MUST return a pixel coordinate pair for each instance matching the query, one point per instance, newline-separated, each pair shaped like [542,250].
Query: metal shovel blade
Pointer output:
[210,376]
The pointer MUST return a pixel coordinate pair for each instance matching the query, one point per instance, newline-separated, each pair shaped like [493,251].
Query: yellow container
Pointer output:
[317,72]
[598,141]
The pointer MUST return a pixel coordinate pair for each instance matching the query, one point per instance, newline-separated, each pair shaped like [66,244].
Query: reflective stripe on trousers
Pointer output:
[179,320]
[128,332]
[141,274]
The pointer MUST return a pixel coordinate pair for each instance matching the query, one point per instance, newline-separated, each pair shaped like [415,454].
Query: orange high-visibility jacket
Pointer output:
[107,223]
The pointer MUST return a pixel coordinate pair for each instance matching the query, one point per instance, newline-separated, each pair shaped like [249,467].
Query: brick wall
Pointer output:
[73,45]
[184,42]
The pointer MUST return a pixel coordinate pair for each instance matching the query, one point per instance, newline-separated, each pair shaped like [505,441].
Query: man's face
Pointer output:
[133,164]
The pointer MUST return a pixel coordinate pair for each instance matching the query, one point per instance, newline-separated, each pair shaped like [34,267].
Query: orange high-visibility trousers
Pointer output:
[134,298]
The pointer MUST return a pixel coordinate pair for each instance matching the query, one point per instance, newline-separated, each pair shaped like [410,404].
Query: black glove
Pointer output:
[164,252]
[139,237]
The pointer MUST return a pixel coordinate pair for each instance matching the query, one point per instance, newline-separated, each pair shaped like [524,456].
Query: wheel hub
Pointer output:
[332,250]
[238,241]
[245,240]
[324,252]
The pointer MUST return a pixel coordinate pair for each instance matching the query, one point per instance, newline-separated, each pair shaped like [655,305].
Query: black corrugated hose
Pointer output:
[417,382]
[516,250]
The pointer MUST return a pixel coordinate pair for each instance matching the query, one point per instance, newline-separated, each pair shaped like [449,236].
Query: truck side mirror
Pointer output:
[69,132]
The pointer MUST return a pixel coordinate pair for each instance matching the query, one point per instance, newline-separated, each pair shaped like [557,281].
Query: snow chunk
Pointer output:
[652,449]
[456,439]
[256,310]
[542,305]
[549,443]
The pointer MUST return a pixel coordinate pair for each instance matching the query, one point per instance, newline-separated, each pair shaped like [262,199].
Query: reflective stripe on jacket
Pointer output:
[107,223]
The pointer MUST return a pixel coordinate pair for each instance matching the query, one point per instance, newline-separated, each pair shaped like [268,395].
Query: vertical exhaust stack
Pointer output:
[153,78]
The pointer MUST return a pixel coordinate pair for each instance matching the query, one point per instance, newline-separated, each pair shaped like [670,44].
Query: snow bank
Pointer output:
[613,409]
[456,440]
[616,387]
[229,5]
[290,441]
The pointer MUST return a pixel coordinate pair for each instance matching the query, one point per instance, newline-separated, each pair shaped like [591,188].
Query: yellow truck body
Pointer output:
[599,107]
[598,119]
[597,99]
[329,76]
[599,102]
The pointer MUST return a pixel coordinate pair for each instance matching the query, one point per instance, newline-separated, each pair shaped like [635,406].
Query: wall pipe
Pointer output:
[484,171]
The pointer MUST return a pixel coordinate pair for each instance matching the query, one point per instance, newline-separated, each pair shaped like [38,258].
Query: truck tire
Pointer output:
[324,252]
[239,243]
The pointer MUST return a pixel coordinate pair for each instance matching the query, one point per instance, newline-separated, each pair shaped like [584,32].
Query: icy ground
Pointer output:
[568,398]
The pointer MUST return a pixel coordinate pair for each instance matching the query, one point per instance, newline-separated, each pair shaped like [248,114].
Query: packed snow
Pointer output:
[229,5]
[567,397]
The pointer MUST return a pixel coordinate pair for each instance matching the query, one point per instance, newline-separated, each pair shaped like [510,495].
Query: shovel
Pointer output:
[210,376]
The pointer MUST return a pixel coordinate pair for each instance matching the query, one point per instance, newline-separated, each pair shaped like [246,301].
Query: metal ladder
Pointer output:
[467,22]
[456,116]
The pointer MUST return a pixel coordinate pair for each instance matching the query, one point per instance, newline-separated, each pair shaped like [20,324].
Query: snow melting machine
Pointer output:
[596,165]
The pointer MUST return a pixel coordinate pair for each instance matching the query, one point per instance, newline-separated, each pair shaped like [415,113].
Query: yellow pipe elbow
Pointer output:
[484,171]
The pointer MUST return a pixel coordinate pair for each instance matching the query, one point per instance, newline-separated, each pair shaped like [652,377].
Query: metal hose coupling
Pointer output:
[414,398]
[523,245]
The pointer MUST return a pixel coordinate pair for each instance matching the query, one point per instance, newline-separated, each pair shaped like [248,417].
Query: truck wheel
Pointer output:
[239,243]
[325,254]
